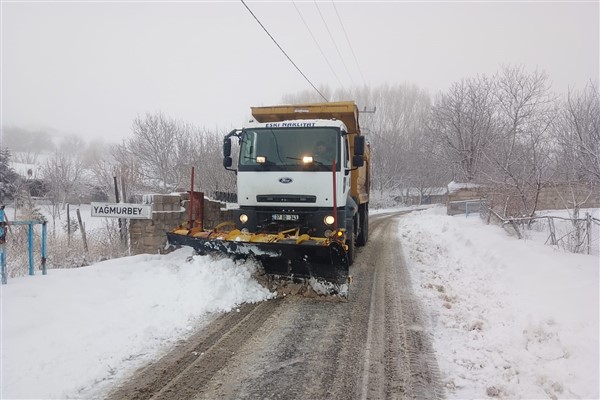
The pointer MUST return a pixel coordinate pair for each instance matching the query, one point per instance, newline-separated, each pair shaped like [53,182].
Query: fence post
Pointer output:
[44,235]
[588,228]
[30,245]
[3,264]
[68,225]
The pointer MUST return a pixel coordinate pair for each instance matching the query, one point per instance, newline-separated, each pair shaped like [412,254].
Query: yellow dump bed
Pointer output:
[345,111]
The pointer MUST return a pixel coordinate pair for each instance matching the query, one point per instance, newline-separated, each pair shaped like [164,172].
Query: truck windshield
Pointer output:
[289,149]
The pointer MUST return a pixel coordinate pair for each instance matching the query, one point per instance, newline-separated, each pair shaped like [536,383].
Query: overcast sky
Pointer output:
[91,68]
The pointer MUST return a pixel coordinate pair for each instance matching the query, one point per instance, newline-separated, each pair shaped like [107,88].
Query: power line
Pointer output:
[334,43]
[317,43]
[283,51]
[349,44]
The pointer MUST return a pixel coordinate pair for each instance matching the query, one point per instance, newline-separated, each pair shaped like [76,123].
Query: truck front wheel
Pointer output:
[350,244]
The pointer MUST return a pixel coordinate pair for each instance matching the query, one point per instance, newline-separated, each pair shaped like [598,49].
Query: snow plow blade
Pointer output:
[290,257]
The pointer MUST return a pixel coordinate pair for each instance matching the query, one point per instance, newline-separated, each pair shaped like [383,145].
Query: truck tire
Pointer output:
[363,235]
[350,244]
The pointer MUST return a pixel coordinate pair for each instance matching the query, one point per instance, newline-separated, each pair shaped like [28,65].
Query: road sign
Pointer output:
[122,210]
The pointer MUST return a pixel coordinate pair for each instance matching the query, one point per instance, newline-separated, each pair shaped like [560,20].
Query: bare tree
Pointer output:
[397,123]
[463,121]
[521,159]
[578,133]
[63,174]
[160,154]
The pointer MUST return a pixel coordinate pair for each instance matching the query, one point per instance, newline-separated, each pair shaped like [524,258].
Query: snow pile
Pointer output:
[75,332]
[510,318]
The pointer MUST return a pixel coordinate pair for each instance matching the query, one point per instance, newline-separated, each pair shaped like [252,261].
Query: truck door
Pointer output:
[346,164]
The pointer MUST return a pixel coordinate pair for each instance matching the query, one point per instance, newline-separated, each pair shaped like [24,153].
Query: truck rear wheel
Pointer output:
[363,234]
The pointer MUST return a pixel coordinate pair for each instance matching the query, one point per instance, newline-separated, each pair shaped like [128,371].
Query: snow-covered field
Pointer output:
[509,318]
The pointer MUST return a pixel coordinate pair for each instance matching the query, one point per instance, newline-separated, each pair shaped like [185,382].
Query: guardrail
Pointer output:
[30,225]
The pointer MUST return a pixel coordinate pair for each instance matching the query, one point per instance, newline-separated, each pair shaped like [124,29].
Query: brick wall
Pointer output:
[169,211]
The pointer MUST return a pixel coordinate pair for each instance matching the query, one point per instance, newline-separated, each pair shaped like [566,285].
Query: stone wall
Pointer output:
[556,196]
[169,211]
[552,197]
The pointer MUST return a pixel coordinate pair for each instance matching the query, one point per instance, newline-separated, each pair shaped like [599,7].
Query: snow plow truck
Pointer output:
[303,182]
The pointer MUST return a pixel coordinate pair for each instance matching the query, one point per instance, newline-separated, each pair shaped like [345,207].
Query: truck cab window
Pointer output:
[346,152]
[289,149]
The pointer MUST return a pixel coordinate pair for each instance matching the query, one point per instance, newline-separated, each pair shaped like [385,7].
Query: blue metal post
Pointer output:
[3,263]
[44,272]
[30,240]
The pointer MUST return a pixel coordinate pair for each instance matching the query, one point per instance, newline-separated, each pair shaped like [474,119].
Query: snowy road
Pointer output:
[372,346]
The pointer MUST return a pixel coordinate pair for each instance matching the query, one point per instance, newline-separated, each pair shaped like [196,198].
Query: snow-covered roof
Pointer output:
[456,186]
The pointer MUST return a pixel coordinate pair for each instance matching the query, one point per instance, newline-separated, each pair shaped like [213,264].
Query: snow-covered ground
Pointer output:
[509,318]
[74,332]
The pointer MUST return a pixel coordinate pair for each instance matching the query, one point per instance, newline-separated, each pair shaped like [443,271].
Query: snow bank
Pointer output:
[510,319]
[74,332]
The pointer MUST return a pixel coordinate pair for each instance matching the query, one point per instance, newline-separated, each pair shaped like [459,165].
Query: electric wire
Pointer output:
[349,44]
[318,46]
[283,51]
[334,43]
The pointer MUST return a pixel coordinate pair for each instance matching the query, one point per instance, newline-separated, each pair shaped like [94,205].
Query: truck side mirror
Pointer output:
[358,161]
[227,162]
[227,148]
[359,146]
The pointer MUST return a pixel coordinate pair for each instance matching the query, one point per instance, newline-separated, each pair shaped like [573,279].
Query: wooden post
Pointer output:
[191,221]
[588,228]
[68,224]
[116,201]
[125,222]
[82,229]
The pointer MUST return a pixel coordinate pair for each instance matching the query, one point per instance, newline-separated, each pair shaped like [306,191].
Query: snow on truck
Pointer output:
[303,192]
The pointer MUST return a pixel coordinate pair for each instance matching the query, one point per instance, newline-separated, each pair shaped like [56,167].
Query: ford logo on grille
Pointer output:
[285,180]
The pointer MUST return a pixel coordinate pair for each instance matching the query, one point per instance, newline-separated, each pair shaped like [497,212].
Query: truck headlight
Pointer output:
[243,218]
[329,220]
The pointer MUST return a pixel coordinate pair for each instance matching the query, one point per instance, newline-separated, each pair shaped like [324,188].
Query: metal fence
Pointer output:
[573,234]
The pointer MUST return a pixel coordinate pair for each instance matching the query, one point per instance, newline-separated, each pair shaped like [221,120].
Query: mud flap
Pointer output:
[327,262]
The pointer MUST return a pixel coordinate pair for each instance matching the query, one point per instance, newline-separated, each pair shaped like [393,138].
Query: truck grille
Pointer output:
[285,198]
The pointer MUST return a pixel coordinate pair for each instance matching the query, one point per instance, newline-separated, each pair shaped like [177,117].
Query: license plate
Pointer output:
[285,217]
